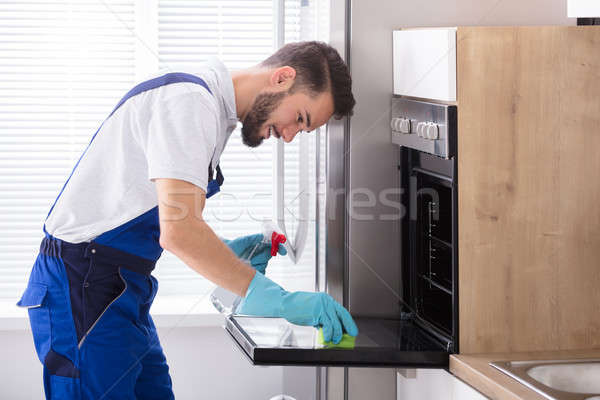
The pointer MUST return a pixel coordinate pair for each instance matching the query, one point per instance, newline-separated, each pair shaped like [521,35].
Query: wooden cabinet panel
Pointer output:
[529,193]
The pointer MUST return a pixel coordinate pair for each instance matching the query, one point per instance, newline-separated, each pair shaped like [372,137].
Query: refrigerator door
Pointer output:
[380,343]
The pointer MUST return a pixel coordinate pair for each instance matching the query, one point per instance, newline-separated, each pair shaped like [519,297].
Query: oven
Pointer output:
[426,134]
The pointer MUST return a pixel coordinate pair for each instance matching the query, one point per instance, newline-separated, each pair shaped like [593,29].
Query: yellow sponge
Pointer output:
[347,341]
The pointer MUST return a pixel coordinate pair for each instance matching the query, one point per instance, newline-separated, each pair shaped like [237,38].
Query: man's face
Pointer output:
[280,114]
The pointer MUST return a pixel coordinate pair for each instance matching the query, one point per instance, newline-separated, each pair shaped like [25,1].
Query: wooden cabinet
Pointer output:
[529,188]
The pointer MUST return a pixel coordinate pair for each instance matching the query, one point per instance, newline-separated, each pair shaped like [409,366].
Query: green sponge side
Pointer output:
[347,341]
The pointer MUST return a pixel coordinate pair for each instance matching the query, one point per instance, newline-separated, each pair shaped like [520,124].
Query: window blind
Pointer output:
[64,66]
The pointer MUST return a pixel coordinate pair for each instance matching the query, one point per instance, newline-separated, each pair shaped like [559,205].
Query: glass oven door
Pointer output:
[380,343]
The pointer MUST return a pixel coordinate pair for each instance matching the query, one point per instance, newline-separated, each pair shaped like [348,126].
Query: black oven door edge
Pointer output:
[380,343]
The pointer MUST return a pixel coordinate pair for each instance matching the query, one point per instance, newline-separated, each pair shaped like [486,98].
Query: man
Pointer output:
[139,188]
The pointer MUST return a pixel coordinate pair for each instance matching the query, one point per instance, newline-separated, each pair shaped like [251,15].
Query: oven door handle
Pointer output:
[413,196]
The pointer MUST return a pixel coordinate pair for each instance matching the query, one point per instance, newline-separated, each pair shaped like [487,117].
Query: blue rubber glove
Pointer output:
[267,299]
[243,246]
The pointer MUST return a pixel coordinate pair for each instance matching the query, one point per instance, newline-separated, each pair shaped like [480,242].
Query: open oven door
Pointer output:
[380,343]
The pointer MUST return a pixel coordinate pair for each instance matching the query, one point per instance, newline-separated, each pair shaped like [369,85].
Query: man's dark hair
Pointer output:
[319,67]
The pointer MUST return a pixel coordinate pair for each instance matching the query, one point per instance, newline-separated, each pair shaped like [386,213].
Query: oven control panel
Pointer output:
[424,126]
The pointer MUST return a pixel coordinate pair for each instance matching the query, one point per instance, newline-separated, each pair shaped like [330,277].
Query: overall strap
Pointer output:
[214,184]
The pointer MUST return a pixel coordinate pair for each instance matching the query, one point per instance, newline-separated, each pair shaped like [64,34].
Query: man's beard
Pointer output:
[262,108]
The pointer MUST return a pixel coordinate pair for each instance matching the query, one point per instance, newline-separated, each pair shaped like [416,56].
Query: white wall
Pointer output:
[470,12]
[20,370]
[204,363]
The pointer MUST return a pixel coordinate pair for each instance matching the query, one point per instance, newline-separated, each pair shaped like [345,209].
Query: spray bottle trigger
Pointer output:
[276,239]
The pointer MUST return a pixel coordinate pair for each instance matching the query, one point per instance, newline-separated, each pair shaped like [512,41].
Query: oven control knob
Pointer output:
[395,124]
[432,131]
[405,125]
[398,124]
[421,129]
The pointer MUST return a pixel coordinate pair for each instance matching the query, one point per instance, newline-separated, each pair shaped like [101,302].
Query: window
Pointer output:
[65,67]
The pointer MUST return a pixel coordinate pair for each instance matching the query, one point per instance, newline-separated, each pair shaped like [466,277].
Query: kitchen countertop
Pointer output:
[475,370]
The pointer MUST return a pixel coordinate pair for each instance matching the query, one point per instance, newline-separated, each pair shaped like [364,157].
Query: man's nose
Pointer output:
[289,134]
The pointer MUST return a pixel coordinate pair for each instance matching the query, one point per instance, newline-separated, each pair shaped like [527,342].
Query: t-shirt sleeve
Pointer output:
[181,138]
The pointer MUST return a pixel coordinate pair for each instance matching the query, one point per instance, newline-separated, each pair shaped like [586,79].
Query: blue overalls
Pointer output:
[89,303]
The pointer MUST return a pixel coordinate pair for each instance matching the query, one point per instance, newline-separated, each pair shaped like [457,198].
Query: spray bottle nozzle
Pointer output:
[276,239]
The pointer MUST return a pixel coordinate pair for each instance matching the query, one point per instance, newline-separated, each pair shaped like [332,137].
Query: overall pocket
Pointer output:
[34,299]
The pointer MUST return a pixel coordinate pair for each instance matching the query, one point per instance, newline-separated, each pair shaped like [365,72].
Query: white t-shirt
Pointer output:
[173,131]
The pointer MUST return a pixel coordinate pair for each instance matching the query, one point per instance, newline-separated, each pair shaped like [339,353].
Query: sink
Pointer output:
[557,379]
[580,377]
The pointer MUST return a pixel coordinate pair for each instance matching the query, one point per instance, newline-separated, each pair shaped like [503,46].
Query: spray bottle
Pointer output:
[225,301]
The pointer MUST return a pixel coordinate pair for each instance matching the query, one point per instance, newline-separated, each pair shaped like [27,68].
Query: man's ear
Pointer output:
[283,77]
